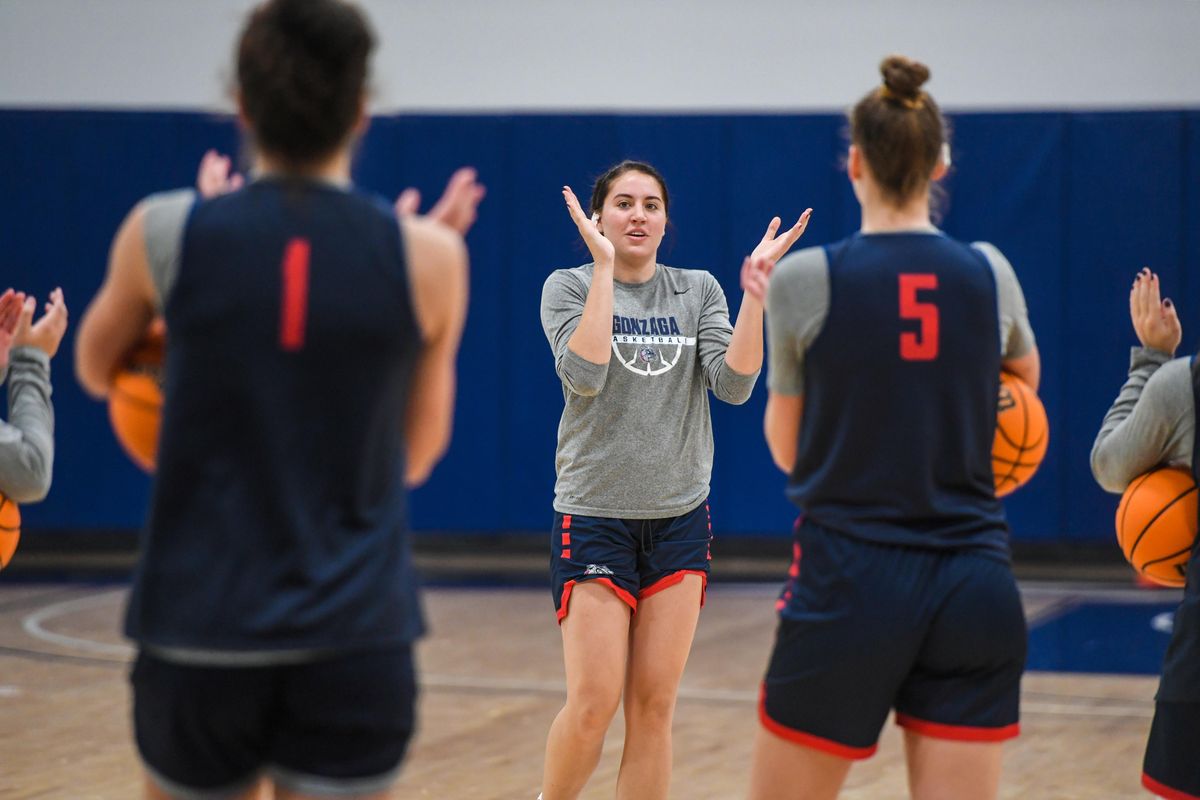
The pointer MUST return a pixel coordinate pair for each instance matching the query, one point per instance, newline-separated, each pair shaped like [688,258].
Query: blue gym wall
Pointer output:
[1078,201]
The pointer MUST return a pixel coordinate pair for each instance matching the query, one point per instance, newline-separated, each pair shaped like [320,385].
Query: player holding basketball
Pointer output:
[27,437]
[309,378]
[885,355]
[1153,422]
[638,346]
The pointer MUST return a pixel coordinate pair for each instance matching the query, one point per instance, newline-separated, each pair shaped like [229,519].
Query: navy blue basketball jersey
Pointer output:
[278,518]
[900,394]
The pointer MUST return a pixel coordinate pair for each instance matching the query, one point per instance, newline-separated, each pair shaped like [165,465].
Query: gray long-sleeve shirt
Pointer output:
[27,438]
[1152,421]
[635,439]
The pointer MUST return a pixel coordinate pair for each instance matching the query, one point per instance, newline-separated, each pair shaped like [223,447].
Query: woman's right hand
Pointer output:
[600,247]
[1154,320]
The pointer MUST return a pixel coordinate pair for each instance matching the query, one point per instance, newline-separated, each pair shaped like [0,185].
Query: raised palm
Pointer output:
[597,244]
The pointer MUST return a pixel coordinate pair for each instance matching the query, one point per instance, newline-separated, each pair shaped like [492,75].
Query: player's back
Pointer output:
[279,507]
[900,392]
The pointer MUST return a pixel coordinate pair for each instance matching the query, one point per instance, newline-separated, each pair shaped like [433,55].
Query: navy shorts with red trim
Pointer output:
[338,725]
[865,628]
[634,557]
[1172,768]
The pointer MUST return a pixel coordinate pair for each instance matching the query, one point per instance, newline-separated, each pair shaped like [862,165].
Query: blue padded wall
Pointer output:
[1078,202]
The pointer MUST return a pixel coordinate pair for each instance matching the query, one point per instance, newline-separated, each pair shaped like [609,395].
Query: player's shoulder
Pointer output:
[998,261]
[569,278]
[805,266]
[172,200]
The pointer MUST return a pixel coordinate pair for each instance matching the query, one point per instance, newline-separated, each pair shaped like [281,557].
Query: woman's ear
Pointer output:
[596,219]
[854,163]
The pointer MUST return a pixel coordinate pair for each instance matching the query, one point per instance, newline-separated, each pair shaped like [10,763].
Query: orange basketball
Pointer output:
[10,530]
[135,400]
[1156,524]
[1022,434]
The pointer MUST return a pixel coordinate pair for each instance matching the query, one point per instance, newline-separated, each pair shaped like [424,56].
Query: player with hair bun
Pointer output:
[309,379]
[638,346]
[885,351]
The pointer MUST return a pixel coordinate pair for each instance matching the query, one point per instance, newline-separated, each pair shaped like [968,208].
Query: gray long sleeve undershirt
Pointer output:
[635,439]
[1151,422]
[27,438]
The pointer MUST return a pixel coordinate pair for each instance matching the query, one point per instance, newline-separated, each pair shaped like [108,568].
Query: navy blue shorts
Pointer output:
[636,558]
[333,726]
[864,628]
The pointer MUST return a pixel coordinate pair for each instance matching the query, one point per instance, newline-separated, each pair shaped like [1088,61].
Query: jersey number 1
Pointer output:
[923,345]
[294,306]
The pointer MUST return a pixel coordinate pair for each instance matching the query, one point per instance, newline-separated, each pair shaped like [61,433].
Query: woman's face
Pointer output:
[634,217]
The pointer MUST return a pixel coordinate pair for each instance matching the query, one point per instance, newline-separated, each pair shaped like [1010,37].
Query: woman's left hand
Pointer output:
[772,247]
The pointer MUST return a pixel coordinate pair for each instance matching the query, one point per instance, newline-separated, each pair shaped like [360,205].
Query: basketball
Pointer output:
[135,400]
[1156,524]
[1022,434]
[10,530]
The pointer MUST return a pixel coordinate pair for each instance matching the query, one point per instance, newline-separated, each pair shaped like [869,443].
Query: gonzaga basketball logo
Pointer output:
[649,346]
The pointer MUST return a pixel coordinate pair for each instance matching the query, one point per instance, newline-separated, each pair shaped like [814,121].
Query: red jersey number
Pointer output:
[922,345]
[294,307]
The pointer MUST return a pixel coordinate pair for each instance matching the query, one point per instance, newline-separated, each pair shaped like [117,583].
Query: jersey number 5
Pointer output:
[294,306]
[923,345]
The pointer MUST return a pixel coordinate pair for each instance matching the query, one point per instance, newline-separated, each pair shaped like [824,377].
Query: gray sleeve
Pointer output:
[166,214]
[1151,422]
[797,305]
[712,342]
[563,298]
[1016,334]
[27,439]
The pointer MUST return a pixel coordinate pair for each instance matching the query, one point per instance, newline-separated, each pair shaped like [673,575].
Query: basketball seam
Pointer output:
[1125,508]
[1161,511]
[1161,559]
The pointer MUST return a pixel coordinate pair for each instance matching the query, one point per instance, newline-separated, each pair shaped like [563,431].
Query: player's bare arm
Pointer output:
[120,311]
[781,427]
[437,267]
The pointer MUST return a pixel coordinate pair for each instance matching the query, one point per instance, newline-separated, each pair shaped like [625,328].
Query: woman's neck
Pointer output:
[334,169]
[634,271]
[881,216]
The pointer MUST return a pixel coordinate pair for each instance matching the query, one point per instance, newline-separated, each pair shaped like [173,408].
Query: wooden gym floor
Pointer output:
[491,672]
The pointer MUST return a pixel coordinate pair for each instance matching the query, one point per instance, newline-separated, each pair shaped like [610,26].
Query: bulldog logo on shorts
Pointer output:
[649,346]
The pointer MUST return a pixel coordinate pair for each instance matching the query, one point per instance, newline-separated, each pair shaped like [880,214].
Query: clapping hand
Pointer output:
[46,334]
[597,244]
[1154,319]
[457,206]
[11,304]
[213,178]
[757,267]
[772,248]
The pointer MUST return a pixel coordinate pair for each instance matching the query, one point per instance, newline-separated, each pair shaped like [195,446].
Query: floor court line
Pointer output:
[34,624]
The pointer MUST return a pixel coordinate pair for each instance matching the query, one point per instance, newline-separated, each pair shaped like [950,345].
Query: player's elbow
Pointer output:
[93,378]
[1108,473]
[30,484]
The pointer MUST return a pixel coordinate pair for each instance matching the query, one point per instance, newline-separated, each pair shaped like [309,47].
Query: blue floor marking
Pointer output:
[1124,638]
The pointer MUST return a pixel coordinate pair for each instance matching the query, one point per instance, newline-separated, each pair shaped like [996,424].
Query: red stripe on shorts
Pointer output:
[1166,791]
[960,733]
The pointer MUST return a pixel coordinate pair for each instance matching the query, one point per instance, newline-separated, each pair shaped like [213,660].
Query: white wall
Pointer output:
[653,55]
